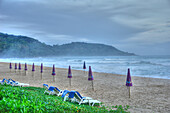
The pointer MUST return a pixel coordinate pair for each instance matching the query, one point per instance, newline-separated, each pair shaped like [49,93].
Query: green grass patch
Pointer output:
[33,100]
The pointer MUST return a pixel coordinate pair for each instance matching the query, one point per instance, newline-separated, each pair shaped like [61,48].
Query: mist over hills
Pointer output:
[23,46]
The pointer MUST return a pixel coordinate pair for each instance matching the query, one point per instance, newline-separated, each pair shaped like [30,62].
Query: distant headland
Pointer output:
[23,46]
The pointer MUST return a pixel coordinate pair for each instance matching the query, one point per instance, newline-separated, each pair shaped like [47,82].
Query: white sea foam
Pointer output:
[145,66]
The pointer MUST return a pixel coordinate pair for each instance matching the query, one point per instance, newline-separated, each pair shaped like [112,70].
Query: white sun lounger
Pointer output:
[93,102]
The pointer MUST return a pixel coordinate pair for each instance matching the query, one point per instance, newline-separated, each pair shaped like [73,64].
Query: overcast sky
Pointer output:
[137,26]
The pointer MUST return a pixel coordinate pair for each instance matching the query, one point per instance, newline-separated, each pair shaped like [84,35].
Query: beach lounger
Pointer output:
[51,90]
[9,82]
[2,81]
[45,86]
[80,99]
[22,84]
[15,83]
[12,82]
[93,102]
[70,96]
[65,92]
[76,97]
[57,91]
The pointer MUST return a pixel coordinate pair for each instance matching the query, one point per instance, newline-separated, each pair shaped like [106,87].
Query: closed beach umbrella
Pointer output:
[84,66]
[128,81]
[10,66]
[15,67]
[19,67]
[90,77]
[25,68]
[69,75]
[33,69]
[41,69]
[53,73]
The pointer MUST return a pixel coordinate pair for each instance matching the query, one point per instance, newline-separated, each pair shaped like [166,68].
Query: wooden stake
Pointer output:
[53,79]
[32,73]
[41,76]
[129,92]
[70,81]
[92,85]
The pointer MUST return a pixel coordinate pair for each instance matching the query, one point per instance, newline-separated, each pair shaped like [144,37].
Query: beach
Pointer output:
[148,95]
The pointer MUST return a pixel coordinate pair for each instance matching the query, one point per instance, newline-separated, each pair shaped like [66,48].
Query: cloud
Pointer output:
[125,24]
[151,16]
[151,37]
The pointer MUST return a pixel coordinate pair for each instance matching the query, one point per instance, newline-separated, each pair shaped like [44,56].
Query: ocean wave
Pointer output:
[147,63]
[75,60]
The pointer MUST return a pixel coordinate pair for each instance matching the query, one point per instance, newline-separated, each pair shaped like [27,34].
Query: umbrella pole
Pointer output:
[53,79]
[92,85]
[10,72]
[25,73]
[15,70]
[41,76]
[32,73]
[129,92]
[70,81]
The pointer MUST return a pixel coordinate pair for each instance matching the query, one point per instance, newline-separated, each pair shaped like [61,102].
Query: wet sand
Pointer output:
[148,95]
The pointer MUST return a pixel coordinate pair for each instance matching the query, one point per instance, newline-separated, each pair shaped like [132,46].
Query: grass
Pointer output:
[33,100]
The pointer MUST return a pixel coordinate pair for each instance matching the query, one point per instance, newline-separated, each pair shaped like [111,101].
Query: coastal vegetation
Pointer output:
[33,99]
[23,46]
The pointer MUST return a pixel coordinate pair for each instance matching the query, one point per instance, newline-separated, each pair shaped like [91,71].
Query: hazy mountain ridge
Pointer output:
[23,46]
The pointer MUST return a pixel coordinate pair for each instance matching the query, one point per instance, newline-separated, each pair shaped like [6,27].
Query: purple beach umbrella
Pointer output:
[69,75]
[69,72]
[25,68]
[84,66]
[15,67]
[41,69]
[53,73]
[90,77]
[128,81]
[10,66]
[33,69]
[19,66]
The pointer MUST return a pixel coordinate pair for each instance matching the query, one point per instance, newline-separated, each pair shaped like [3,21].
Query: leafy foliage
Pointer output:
[32,99]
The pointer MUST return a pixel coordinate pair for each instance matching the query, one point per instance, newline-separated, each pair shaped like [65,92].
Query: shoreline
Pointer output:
[147,94]
[96,72]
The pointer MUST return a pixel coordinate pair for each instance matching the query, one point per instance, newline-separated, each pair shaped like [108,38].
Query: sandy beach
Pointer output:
[148,95]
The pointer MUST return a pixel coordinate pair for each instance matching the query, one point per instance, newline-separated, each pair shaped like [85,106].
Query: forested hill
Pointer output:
[23,46]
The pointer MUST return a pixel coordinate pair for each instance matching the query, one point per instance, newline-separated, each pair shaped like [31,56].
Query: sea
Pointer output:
[142,66]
